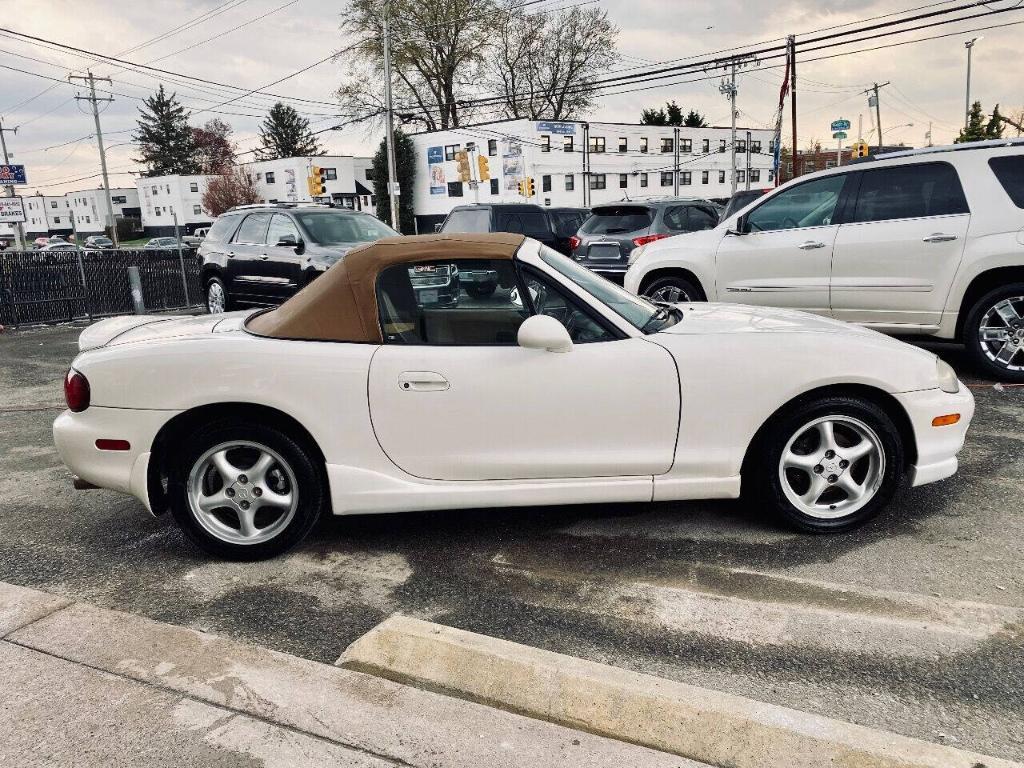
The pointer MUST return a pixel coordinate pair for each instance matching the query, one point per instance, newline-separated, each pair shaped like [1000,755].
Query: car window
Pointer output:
[547,299]
[336,228]
[437,303]
[535,224]
[566,223]
[810,204]
[1010,172]
[909,192]
[701,218]
[280,226]
[468,221]
[222,229]
[253,229]
[617,219]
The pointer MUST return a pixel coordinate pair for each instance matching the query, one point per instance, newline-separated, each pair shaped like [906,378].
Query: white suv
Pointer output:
[927,242]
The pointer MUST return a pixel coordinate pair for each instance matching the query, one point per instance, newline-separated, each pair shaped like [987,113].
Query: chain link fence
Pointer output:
[54,286]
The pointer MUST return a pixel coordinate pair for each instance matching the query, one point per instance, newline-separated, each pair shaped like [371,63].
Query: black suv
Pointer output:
[263,254]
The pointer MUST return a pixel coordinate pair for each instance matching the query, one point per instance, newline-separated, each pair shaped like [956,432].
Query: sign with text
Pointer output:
[839,135]
[12,210]
[562,129]
[840,125]
[435,164]
[12,174]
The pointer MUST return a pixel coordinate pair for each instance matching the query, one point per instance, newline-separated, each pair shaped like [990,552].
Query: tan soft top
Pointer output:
[341,305]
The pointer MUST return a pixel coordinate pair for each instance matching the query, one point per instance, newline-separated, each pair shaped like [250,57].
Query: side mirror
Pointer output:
[543,332]
[288,240]
[740,227]
[437,227]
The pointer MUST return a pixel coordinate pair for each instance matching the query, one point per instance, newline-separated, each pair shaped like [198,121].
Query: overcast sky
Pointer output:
[928,78]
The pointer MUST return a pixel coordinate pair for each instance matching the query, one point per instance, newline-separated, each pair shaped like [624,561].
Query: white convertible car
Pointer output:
[384,387]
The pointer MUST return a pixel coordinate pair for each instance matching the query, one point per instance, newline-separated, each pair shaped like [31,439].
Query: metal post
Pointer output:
[99,143]
[135,288]
[878,115]
[181,259]
[586,165]
[969,45]
[389,133]
[748,161]
[19,229]
[81,266]
[792,93]
[675,172]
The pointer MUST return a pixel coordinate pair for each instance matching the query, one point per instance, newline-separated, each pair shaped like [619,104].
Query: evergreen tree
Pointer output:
[674,113]
[405,172]
[653,117]
[995,127]
[976,129]
[164,136]
[285,133]
[694,119]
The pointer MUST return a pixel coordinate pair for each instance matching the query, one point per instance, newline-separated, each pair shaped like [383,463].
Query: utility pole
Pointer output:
[675,172]
[586,165]
[19,228]
[873,101]
[389,135]
[969,45]
[729,90]
[791,42]
[91,80]
[747,174]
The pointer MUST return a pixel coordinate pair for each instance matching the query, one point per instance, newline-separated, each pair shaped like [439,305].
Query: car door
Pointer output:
[783,255]
[453,397]
[246,270]
[898,250]
[282,262]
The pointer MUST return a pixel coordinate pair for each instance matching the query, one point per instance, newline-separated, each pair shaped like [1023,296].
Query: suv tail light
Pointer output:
[574,243]
[76,391]
[638,241]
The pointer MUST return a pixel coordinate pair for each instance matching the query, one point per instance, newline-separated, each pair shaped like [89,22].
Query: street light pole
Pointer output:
[969,45]
[19,228]
[389,134]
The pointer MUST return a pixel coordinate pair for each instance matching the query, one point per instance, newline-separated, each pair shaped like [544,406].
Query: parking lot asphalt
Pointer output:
[911,624]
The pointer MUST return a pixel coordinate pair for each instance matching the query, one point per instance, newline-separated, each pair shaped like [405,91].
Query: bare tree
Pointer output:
[544,64]
[437,51]
[237,186]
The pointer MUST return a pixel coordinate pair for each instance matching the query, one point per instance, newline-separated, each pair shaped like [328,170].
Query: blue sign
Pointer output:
[435,155]
[12,174]
[840,125]
[562,129]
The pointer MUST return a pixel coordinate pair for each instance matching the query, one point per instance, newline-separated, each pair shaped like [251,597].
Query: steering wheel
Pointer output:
[794,224]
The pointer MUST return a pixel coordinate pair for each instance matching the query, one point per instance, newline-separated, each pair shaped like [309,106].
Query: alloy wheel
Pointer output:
[671,294]
[242,492]
[215,299]
[1001,333]
[832,467]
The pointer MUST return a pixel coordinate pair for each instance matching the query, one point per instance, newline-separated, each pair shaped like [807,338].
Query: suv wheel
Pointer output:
[673,289]
[994,332]
[217,300]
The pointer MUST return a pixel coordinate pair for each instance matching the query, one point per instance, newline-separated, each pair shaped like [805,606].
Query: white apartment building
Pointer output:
[582,164]
[163,197]
[286,180]
[89,207]
[46,215]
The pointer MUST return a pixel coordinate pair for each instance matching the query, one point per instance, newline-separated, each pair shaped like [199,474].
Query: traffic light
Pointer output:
[860,149]
[316,183]
[530,190]
[483,167]
[462,158]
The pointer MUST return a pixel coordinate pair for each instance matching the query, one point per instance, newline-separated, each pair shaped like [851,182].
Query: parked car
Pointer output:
[40,242]
[246,431]
[162,244]
[98,242]
[606,239]
[565,223]
[924,242]
[741,199]
[196,238]
[262,254]
[62,246]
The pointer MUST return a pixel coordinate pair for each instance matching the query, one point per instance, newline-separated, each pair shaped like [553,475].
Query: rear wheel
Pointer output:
[828,466]
[994,333]
[673,289]
[245,491]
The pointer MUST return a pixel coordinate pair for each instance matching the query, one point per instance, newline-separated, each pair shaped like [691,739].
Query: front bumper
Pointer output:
[937,447]
[75,436]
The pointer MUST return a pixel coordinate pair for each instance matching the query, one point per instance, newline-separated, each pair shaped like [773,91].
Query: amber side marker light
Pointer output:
[113,445]
[945,421]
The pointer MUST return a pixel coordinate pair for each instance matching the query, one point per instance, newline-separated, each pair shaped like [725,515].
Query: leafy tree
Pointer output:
[694,119]
[674,113]
[996,126]
[213,149]
[236,186]
[976,129]
[653,117]
[164,136]
[285,133]
[405,172]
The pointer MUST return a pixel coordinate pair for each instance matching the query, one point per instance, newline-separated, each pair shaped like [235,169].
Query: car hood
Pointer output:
[131,329]
[704,318]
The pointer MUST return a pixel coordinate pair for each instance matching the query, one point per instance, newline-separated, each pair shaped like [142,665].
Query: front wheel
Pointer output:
[217,300]
[828,466]
[245,491]
[994,333]
[673,289]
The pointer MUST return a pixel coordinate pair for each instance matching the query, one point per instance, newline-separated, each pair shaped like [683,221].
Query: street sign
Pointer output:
[564,129]
[840,125]
[12,174]
[839,135]
[12,210]
[398,188]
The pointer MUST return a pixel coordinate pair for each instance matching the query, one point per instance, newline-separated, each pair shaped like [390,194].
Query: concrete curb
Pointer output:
[697,723]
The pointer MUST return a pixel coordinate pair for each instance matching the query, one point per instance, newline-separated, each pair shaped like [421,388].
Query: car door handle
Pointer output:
[422,381]
[939,237]
[231,254]
[264,256]
[810,245]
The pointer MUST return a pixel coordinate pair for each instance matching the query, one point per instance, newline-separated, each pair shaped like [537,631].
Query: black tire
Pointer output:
[663,288]
[478,291]
[310,486]
[763,478]
[229,304]
[984,355]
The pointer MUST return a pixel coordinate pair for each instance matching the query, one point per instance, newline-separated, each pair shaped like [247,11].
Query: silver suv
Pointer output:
[927,242]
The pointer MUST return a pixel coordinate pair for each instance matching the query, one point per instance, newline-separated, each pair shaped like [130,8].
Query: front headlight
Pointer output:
[635,254]
[948,382]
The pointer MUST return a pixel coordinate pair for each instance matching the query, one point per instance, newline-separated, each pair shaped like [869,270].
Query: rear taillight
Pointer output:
[638,241]
[76,391]
[574,243]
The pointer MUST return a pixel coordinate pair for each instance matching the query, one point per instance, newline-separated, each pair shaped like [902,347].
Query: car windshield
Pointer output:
[334,228]
[633,309]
